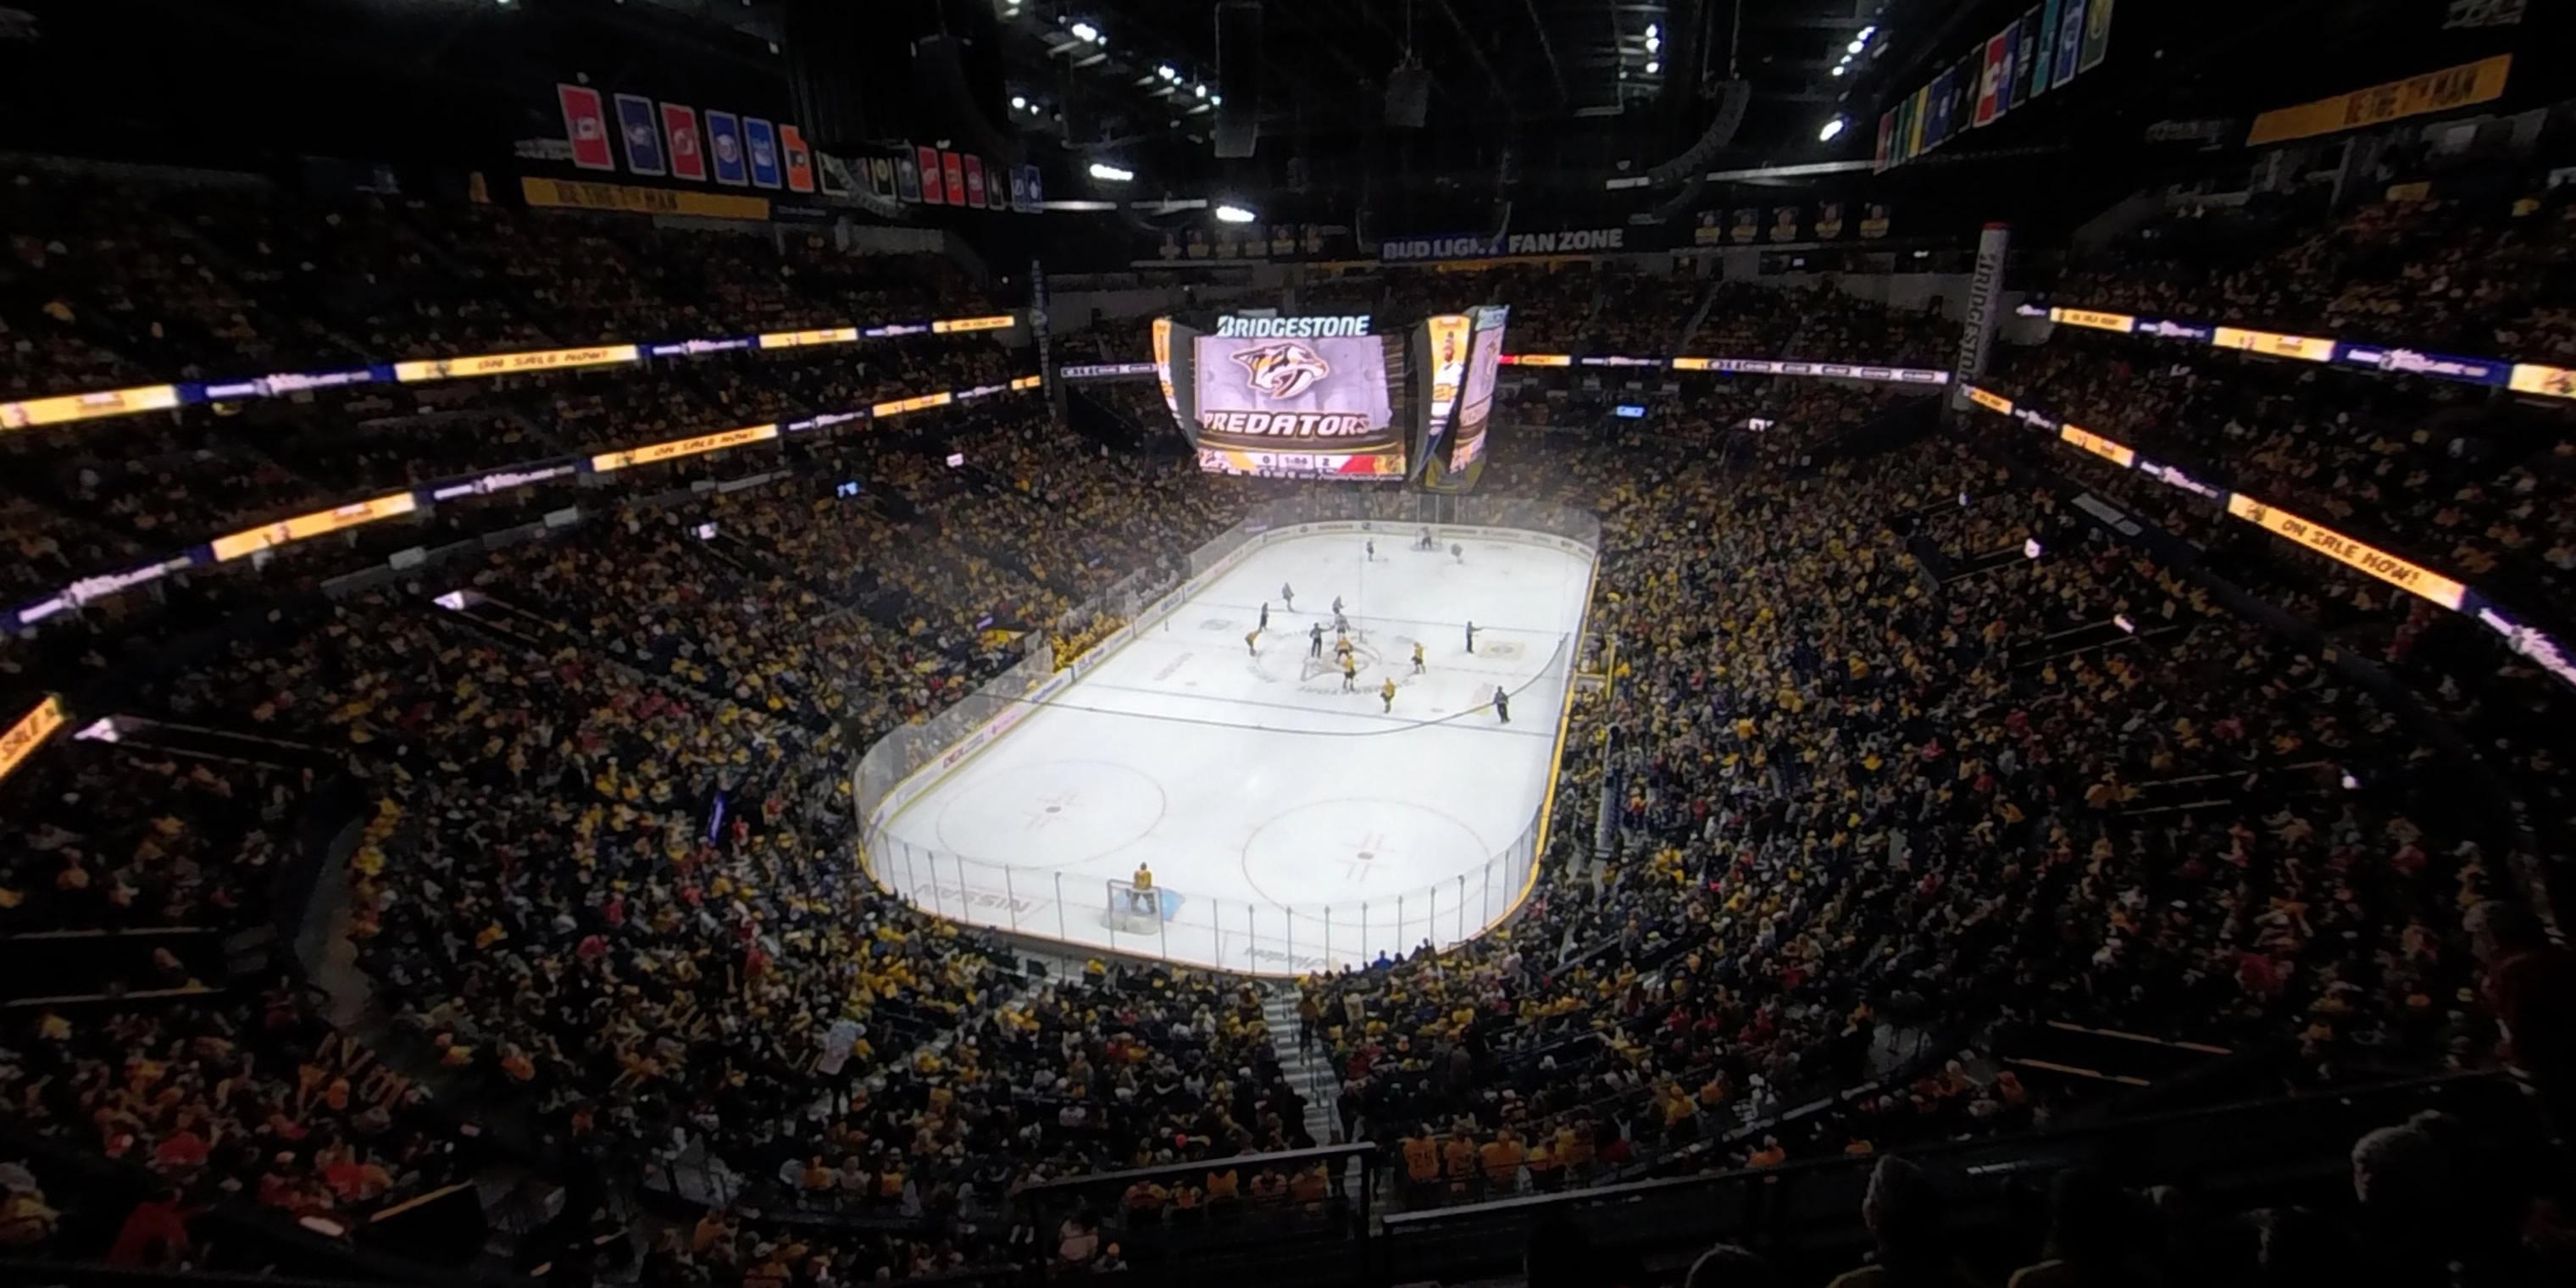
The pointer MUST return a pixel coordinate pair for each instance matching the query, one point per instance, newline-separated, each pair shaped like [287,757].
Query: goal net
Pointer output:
[1134,911]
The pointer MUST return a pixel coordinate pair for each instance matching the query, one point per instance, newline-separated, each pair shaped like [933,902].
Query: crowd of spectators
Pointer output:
[131,1035]
[1883,787]
[2464,263]
[1843,792]
[123,283]
[2434,1198]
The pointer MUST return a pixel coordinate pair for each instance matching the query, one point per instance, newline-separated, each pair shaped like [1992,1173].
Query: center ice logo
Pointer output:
[1283,370]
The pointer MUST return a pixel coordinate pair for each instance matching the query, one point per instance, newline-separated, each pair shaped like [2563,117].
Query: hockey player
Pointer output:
[1252,642]
[1337,605]
[1417,657]
[1141,898]
[1341,624]
[1502,705]
[1288,596]
[1350,675]
[1372,551]
[1265,614]
[1425,542]
[1315,640]
[1471,637]
[1458,552]
[1342,649]
[1386,694]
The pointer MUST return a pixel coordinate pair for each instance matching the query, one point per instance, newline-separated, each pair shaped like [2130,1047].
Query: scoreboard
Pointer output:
[1332,396]
[1300,397]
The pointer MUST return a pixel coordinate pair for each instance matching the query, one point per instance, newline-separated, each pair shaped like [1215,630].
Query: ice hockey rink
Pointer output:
[1289,825]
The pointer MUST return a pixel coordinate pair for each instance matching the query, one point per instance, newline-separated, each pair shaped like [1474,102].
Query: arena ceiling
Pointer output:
[1539,102]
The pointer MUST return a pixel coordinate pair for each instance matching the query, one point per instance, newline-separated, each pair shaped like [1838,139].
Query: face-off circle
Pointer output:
[1338,854]
[1074,810]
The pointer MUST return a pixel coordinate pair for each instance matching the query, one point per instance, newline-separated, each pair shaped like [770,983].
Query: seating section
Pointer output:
[2438,473]
[1897,772]
[2477,267]
[1846,795]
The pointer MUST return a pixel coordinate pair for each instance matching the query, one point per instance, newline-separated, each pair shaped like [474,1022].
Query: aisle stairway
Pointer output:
[1310,1071]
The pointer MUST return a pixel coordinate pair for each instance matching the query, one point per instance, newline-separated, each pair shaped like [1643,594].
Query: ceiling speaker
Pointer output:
[1238,77]
[1408,97]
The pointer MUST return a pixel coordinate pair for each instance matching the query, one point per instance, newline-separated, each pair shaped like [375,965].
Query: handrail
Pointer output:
[2151,1125]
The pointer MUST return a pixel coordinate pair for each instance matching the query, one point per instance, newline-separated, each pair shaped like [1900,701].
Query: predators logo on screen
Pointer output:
[1283,370]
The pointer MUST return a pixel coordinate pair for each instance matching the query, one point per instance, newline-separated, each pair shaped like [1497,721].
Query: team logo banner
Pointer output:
[760,139]
[585,126]
[1325,396]
[643,136]
[724,141]
[688,153]
[800,159]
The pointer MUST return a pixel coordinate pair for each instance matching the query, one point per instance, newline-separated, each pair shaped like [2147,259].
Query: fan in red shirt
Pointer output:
[2530,989]
[155,1234]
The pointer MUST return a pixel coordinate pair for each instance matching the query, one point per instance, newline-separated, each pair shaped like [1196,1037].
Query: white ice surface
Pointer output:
[1298,825]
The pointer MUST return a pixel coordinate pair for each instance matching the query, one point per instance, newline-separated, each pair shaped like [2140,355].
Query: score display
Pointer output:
[1484,355]
[1297,397]
[1464,351]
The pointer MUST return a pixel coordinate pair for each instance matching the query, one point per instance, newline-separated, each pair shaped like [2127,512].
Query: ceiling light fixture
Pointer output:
[1108,173]
[1839,69]
[1653,66]
[1085,33]
[1867,32]
[1019,102]
[1654,43]
[1231,214]
[1833,128]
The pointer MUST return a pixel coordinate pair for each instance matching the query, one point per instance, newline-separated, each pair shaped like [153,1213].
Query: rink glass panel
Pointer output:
[1234,935]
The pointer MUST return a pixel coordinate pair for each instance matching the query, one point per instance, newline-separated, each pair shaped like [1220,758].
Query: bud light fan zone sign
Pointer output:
[1294,405]
[1572,241]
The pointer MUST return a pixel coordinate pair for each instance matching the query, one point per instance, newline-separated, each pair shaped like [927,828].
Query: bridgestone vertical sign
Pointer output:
[1985,312]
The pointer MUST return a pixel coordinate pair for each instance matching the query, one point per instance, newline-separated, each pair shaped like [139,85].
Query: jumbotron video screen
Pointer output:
[1302,397]
[1467,349]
